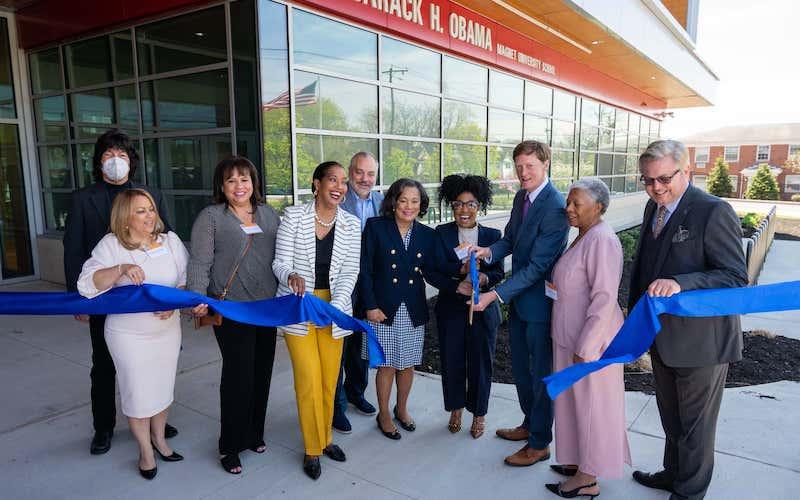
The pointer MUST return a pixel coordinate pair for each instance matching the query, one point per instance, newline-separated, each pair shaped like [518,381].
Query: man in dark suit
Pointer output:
[689,240]
[535,236]
[114,163]
[364,203]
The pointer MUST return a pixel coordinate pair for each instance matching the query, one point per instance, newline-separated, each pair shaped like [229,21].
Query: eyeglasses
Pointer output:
[664,179]
[472,205]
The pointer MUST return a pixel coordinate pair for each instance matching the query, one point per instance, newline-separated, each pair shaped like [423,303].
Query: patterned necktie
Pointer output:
[660,218]
[525,207]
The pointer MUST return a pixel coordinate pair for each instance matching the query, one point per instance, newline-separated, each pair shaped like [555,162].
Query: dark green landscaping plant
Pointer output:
[719,180]
[763,186]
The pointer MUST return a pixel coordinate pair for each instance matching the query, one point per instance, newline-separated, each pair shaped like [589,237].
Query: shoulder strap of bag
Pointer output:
[236,267]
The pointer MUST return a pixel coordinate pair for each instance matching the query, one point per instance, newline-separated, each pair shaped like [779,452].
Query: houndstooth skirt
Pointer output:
[402,341]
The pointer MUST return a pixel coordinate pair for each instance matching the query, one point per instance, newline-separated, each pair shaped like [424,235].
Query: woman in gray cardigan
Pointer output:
[220,239]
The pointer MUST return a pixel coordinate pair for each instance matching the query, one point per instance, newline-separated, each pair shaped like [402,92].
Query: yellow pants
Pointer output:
[316,360]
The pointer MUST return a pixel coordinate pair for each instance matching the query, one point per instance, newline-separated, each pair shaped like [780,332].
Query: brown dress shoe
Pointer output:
[514,434]
[527,456]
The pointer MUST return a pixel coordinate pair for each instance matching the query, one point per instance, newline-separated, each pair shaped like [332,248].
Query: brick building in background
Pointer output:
[744,148]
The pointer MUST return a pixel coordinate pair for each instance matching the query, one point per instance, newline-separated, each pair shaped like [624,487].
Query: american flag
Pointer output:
[305,96]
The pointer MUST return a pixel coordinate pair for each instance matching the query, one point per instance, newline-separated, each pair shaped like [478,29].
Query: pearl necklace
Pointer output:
[323,223]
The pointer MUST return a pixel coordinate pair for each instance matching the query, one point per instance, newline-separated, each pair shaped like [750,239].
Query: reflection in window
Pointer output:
[324,102]
[607,116]
[505,90]
[563,105]
[561,164]
[589,137]
[538,128]
[56,172]
[17,259]
[182,210]
[56,206]
[88,62]
[505,126]
[186,102]
[590,112]
[408,113]
[619,164]
[51,119]
[606,139]
[194,39]
[631,184]
[633,124]
[622,121]
[185,162]
[632,165]
[538,98]
[620,141]
[313,149]
[46,71]
[93,112]
[84,164]
[604,164]
[333,46]
[7,109]
[412,159]
[465,80]
[464,159]
[501,164]
[411,66]
[563,134]
[464,121]
[618,185]
[587,165]
[633,144]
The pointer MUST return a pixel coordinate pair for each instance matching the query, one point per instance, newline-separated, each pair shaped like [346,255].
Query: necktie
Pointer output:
[660,218]
[525,207]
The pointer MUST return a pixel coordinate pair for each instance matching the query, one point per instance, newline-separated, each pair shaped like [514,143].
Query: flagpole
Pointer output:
[319,104]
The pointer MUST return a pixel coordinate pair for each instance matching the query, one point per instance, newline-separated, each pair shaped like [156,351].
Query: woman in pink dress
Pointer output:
[590,416]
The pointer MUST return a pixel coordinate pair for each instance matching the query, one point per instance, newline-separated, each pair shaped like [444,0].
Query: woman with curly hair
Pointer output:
[467,350]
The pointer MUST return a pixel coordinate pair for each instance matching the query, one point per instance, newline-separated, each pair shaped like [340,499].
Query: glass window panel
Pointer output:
[464,158]
[632,165]
[505,90]
[409,113]
[563,134]
[122,48]
[186,102]
[51,118]
[619,164]
[185,162]
[563,105]
[505,126]
[334,46]
[561,164]
[17,258]
[56,206]
[620,141]
[633,123]
[503,193]
[244,47]
[88,62]
[182,209]
[538,128]
[644,126]
[588,165]
[622,121]
[606,139]
[464,121]
[194,39]
[605,164]
[504,178]
[655,126]
[406,64]
[7,109]
[633,144]
[93,112]
[84,163]
[313,149]
[412,159]
[631,182]
[607,116]
[46,71]
[590,112]
[465,80]
[328,103]
[275,123]
[618,185]
[538,98]
[54,164]
[589,137]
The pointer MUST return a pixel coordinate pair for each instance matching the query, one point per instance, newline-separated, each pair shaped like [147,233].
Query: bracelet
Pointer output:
[119,269]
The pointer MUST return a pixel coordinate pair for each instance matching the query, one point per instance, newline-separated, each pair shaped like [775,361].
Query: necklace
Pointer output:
[322,222]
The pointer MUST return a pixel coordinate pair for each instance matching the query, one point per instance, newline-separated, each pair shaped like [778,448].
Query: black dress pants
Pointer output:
[247,356]
[354,374]
[102,375]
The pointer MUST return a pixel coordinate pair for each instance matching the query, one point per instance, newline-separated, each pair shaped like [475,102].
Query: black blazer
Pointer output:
[390,274]
[701,247]
[88,220]
[450,302]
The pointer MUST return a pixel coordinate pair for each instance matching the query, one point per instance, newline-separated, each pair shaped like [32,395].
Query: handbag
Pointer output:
[216,318]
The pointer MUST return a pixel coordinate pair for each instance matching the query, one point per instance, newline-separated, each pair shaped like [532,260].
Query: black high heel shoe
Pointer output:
[409,426]
[564,470]
[556,488]
[395,434]
[148,474]
[175,457]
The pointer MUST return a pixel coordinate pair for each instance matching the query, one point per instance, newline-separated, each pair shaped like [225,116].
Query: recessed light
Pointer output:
[652,77]
[596,42]
[200,34]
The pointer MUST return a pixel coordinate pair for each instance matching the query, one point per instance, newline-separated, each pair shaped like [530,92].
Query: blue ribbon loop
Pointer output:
[642,325]
[281,311]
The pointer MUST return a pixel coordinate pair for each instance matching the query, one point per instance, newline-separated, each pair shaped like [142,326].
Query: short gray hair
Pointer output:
[358,156]
[596,189]
[665,148]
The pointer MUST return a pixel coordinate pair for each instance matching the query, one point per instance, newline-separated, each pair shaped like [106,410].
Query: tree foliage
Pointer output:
[763,186]
[719,180]
[792,163]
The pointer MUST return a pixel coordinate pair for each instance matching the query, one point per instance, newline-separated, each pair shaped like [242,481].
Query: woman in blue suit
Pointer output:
[467,351]
[397,253]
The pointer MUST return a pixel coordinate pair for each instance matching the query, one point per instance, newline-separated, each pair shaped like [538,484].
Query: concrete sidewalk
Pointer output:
[45,430]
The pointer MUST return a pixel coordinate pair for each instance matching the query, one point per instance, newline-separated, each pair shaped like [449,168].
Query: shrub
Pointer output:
[796,197]
[764,186]
[719,179]
[628,239]
[751,220]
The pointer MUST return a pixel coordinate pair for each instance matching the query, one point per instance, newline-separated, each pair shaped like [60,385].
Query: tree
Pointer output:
[763,186]
[792,163]
[719,180]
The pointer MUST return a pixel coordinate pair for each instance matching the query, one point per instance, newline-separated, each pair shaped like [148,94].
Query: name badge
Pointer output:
[550,290]
[462,251]
[156,250]
[251,228]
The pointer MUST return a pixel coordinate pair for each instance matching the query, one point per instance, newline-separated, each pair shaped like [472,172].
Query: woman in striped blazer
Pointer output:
[318,248]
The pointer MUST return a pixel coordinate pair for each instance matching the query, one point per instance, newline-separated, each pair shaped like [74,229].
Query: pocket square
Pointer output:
[681,235]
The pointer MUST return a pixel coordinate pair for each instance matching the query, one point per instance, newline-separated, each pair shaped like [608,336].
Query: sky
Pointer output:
[752,46]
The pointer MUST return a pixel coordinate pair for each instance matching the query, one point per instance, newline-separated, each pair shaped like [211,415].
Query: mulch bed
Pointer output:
[787,229]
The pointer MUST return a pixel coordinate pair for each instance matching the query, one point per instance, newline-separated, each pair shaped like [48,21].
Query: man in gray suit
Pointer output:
[689,240]
[364,203]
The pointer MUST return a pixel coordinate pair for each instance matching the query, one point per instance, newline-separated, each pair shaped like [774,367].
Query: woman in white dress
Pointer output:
[144,346]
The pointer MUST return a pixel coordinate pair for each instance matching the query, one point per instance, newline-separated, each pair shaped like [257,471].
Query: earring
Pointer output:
[344,198]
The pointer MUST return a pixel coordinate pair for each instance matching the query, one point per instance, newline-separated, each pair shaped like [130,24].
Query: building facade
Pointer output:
[744,148]
[430,87]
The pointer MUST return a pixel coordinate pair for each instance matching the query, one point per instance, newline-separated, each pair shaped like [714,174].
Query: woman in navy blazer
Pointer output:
[397,254]
[467,351]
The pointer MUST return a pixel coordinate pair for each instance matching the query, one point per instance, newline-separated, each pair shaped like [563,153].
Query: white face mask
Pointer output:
[115,168]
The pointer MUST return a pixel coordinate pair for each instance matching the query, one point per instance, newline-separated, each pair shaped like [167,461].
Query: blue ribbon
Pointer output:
[281,311]
[642,325]
[473,276]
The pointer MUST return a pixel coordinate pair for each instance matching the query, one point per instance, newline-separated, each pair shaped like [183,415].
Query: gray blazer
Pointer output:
[701,248]
[217,243]
[349,203]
